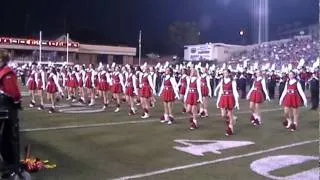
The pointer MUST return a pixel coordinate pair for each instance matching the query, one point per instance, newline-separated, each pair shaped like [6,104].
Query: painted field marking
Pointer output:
[177,168]
[118,123]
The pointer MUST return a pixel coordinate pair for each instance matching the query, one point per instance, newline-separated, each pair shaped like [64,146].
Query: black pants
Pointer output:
[314,99]
[271,90]
[9,147]
[281,88]
[243,92]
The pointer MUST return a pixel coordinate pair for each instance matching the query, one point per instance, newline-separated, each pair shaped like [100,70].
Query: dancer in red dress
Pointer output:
[228,100]
[168,92]
[182,84]
[146,91]
[131,90]
[256,98]
[192,97]
[73,84]
[52,88]
[291,101]
[104,86]
[82,76]
[117,86]
[88,83]
[32,84]
[206,93]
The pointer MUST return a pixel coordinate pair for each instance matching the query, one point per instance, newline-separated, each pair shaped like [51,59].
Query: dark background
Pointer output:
[118,22]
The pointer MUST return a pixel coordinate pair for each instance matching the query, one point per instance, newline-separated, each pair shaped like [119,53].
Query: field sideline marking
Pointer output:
[120,123]
[177,168]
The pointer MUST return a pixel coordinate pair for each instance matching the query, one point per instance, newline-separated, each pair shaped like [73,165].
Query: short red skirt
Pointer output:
[292,101]
[227,102]
[51,88]
[192,98]
[204,91]
[129,91]
[116,88]
[88,84]
[32,85]
[146,92]
[168,95]
[256,96]
[73,83]
[103,86]
[182,90]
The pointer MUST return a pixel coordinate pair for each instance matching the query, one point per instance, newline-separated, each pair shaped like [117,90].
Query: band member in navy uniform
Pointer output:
[10,102]
[272,82]
[282,83]
[242,85]
[314,90]
[303,77]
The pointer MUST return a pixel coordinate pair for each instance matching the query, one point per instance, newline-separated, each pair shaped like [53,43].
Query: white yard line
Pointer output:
[119,123]
[177,168]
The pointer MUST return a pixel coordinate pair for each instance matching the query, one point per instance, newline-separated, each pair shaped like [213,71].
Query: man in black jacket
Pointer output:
[314,90]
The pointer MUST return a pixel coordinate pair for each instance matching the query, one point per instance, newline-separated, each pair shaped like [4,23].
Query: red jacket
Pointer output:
[9,84]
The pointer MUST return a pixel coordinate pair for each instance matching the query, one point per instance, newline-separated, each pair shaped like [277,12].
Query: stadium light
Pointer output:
[241,33]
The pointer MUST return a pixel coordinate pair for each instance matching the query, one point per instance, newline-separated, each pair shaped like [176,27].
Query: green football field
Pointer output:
[108,145]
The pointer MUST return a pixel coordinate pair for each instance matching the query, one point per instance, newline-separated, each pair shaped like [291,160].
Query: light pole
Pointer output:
[140,36]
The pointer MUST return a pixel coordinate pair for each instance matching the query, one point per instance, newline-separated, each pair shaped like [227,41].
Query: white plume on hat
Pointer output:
[316,64]
[301,63]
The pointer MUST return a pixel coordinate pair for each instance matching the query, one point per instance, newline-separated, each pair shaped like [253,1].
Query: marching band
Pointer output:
[191,84]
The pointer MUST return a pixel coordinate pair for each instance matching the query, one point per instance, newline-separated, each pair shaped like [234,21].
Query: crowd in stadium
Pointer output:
[283,51]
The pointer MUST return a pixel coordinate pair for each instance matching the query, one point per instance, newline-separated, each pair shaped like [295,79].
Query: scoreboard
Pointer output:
[33,42]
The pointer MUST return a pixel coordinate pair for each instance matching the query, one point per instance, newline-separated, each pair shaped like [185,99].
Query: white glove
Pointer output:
[280,103]
[268,98]
[305,104]
[177,97]
[237,106]
[200,100]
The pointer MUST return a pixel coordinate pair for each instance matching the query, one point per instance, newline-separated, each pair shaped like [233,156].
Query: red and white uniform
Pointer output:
[169,89]
[31,83]
[193,92]
[228,94]
[73,79]
[95,79]
[88,79]
[255,94]
[117,83]
[146,86]
[131,85]
[182,84]
[205,85]
[40,76]
[53,84]
[104,81]
[82,76]
[68,79]
[292,94]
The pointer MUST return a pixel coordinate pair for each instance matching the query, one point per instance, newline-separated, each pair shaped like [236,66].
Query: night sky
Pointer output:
[118,22]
